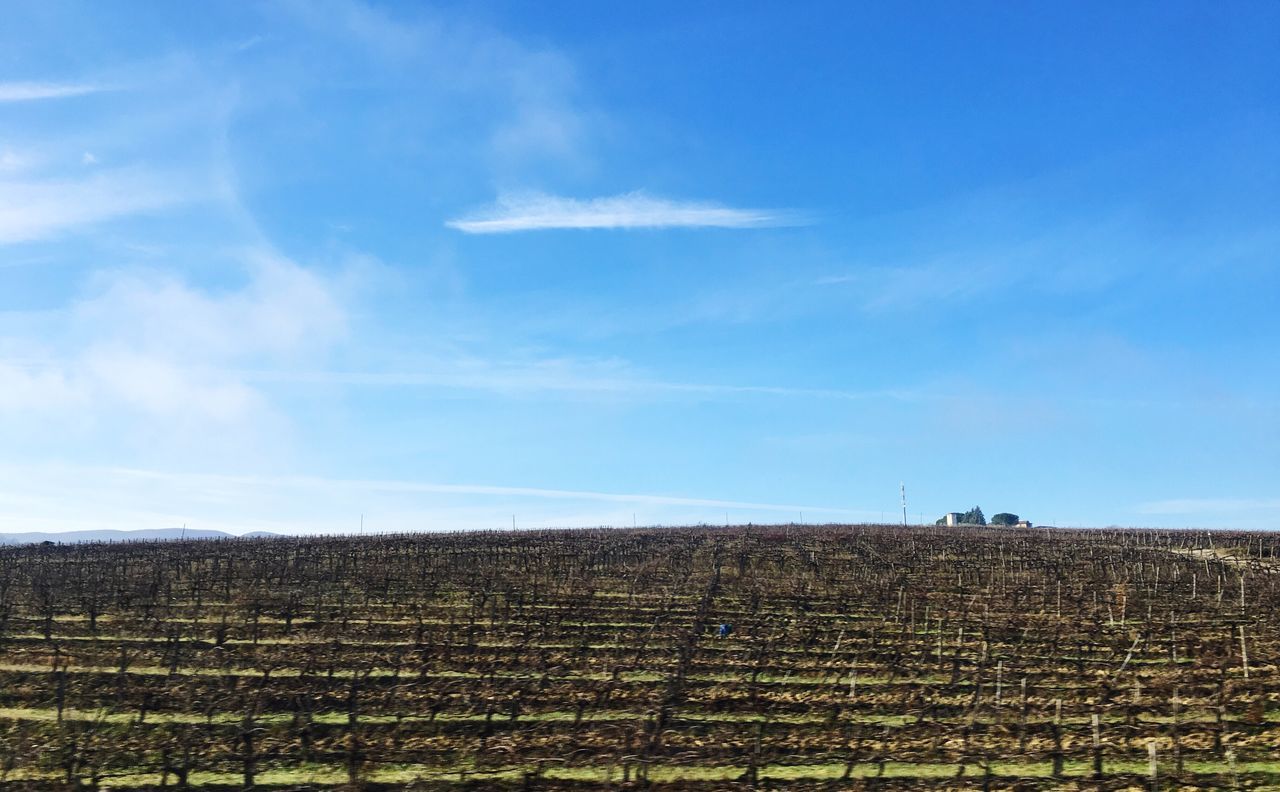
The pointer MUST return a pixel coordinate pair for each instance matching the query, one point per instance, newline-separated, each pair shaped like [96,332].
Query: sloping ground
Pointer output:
[854,656]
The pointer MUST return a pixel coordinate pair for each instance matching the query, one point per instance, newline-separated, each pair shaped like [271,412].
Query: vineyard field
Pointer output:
[747,657]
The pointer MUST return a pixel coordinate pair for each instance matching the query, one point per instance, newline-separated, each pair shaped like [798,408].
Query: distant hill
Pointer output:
[146,535]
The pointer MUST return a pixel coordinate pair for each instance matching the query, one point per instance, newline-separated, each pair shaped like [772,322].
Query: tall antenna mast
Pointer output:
[903,486]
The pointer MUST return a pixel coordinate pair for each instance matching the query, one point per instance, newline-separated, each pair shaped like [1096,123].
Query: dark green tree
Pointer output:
[974,517]
[1004,518]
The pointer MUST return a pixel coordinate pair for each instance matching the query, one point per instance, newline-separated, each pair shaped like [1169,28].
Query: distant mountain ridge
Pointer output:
[142,535]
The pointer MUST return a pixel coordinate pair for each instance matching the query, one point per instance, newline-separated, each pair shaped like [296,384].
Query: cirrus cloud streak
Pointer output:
[30,91]
[540,212]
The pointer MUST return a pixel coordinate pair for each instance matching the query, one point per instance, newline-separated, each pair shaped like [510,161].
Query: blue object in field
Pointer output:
[725,629]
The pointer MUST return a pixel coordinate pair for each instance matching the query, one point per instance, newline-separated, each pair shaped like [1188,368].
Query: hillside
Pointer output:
[736,658]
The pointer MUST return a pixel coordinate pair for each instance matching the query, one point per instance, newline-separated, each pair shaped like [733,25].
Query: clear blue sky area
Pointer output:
[272,266]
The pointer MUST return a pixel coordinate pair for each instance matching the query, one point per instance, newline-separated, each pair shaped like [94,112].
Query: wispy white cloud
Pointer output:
[881,289]
[539,211]
[26,387]
[70,497]
[529,113]
[559,376]
[250,42]
[158,382]
[11,160]
[36,209]
[421,487]
[154,345]
[29,91]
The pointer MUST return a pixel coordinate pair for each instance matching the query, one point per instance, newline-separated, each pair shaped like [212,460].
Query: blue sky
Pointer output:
[273,266]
